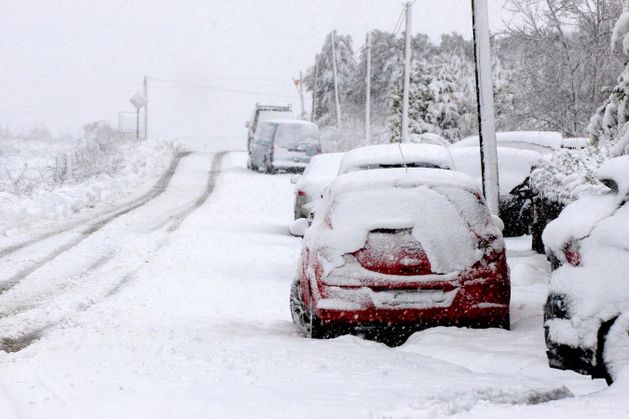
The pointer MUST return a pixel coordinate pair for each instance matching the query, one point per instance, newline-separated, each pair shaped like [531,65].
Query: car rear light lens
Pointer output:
[572,254]
[301,193]
[393,252]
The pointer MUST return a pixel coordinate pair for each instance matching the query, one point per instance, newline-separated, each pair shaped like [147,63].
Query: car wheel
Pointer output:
[250,164]
[306,320]
[613,352]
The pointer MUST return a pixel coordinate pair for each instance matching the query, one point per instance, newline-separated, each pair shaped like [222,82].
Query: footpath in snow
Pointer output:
[188,316]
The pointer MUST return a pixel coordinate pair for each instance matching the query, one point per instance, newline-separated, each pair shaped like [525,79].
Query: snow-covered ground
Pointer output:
[178,307]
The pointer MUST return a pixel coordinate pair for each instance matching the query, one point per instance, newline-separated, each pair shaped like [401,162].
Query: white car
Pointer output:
[321,170]
[514,167]
[545,142]
[586,316]
[385,156]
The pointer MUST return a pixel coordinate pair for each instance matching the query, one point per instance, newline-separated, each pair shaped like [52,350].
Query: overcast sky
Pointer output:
[67,62]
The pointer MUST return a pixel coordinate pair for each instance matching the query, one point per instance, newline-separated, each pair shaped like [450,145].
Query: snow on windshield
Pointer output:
[439,216]
[290,135]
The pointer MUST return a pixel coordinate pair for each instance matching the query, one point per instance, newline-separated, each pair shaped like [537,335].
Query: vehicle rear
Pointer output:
[417,249]
[294,144]
[321,170]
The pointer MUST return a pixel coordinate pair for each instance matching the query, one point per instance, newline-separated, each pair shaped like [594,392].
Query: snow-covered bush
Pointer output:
[568,175]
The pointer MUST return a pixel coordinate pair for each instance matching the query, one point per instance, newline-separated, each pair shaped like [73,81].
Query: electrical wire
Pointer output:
[221,89]
[398,25]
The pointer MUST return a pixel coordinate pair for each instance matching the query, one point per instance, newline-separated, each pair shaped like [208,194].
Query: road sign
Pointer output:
[138,100]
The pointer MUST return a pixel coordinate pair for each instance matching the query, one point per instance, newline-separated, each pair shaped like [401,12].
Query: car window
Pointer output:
[290,135]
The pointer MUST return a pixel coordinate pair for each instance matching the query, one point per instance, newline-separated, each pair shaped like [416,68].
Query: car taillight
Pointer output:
[301,193]
[572,254]
[393,252]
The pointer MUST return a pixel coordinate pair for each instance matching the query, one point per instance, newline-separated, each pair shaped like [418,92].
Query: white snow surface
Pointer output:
[191,320]
[616,169]
[45,205]
[396,155]
[514,165]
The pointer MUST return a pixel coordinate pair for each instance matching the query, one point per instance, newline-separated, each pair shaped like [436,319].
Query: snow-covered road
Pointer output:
[179,308]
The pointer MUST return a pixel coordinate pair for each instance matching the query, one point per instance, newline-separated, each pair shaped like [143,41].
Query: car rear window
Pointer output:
[290,135]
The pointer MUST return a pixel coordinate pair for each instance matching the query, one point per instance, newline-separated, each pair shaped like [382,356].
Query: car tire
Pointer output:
[250,165]
[613,349]
[306,320]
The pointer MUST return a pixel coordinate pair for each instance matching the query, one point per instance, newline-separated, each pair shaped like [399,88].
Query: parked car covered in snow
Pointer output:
[284,145]
[514,167]
[400,250]
[544,142]
[586,315]
[264,113]
[321,170]
[386,156]
[428,138]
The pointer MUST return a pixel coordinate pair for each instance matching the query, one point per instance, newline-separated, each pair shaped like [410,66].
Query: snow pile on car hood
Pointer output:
[617,169]
[514,165]
[321,170]
[437,205]
[396,154]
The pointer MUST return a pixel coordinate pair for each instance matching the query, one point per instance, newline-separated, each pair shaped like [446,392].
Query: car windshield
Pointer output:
[291,135]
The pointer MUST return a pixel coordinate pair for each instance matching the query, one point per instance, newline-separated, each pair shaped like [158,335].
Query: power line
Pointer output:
[398,25]
[221,89]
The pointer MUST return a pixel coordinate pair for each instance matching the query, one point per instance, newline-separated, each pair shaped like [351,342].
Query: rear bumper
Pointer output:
[564,357]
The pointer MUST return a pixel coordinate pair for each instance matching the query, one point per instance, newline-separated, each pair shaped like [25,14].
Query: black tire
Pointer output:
[306,320]
[250,164]
[603,364]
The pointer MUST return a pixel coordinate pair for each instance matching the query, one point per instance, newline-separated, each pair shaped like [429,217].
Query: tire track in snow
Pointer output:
[157,190]
[17,343]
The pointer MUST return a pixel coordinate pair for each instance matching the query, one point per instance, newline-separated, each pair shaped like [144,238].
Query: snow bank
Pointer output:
[381,155]
[45,201]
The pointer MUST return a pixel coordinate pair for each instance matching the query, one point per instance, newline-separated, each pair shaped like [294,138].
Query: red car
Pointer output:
[395,249]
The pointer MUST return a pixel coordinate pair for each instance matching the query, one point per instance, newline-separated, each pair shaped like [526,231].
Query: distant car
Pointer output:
[394,250]
[386,156]
[321,170]
[428,138]
[264,113]
[586,315]
[284,145]
[544,142]
[514,167]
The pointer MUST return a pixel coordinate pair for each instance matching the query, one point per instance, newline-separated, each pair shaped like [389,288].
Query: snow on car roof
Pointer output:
[389,154]
[549,139]
[321,170]
[616,169]
[289,121]
[400,178]
[514,165]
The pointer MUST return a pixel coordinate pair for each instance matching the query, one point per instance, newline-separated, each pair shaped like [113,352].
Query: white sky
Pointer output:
[67,62]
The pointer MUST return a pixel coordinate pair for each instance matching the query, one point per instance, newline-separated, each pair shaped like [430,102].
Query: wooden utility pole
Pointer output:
[407,72]
[368,89]
[339,123]
[485,103]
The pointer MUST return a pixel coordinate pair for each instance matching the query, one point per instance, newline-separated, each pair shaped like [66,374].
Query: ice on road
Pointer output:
[143,319]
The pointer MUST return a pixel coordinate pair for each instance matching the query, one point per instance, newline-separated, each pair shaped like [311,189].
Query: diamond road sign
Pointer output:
[138,100]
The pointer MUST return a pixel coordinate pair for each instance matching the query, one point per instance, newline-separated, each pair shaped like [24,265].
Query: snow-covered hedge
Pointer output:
[568,175]
[37,186]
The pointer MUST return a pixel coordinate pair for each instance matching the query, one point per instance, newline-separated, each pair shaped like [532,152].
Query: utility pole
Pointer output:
[314,89]
[301,95]
[407,72]
[146,107]
[485,103]
[368,89]
[339,123]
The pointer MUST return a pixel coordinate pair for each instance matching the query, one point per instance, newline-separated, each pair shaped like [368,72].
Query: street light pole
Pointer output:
[339,123]
[485,103]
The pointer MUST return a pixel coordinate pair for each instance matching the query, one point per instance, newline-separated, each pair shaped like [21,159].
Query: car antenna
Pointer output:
[399,146]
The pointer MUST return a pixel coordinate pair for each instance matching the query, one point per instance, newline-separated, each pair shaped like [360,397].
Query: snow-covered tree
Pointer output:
[609,127]
[324,113]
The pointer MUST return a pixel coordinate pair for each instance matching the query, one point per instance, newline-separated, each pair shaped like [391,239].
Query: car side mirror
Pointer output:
[299,227]
[498,222]
[294,179]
